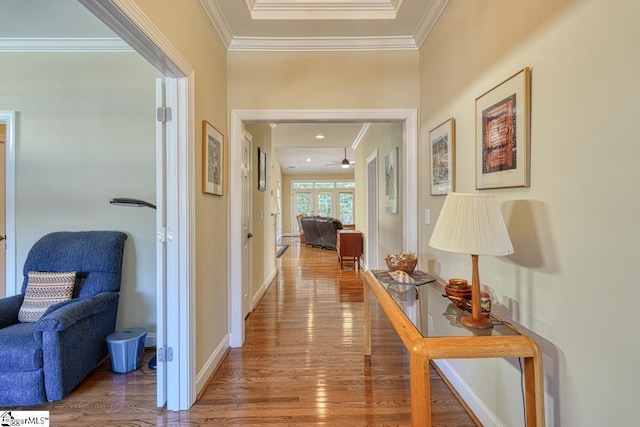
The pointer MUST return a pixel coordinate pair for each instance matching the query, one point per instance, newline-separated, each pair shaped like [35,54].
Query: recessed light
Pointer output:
[319,136]
[308,159]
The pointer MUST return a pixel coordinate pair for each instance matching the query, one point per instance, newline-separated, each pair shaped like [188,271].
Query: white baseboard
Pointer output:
[263,288]
[210,366]
[477,406]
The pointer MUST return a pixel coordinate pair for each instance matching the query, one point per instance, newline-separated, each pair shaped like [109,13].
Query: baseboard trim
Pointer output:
[211,366]
[477,406]
[151,339]
[263,289]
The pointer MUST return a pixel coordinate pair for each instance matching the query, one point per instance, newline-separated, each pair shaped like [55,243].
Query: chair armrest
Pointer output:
[9,308]
[63,315]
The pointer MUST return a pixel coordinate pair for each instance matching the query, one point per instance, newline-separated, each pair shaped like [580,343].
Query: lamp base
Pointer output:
[481,323]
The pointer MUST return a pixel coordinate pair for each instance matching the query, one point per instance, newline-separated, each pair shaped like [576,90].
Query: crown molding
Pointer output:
[82,45]
[323,9]
[429,20]
[322,43]
[218,20]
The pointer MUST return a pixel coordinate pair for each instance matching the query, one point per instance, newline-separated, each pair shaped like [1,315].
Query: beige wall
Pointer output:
[270,80]
[573,230]
[85,134]
[264,223]
[188,29]
[383,138]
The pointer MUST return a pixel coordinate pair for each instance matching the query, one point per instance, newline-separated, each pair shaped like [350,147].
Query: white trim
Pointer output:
[212,363]
[429,21]
[218,21]
[477,406]
[63,44]
[257,297]
[128,21]
[12,286]
[372,253]
[321,44]
[361,135]
[410,181]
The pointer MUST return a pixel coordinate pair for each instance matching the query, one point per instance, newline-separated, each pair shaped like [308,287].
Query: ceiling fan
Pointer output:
[345,163]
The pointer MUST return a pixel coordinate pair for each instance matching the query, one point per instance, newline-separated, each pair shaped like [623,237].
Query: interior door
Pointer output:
[3,228]
[161,244]
[247,226]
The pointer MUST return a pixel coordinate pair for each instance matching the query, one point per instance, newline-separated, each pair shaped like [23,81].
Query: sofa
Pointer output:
[46,352]
[321,231]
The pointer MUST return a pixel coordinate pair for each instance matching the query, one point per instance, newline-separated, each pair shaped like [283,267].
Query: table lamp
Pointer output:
[472,224]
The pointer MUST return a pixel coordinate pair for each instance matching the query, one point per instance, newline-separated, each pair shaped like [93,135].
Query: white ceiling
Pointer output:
[65,25]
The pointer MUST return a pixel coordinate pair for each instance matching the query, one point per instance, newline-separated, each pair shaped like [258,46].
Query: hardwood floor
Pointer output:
[301,365]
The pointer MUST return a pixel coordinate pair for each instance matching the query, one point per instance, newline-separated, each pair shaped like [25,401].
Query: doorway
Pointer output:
[137,31]
[8,122]
[409,119]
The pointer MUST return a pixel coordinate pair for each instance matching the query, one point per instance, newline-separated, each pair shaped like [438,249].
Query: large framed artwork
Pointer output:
[212,159]
[503,133]
[442,143]
[391,181]
[262,170]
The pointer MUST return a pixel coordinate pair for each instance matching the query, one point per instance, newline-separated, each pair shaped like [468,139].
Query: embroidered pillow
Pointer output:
[45,289]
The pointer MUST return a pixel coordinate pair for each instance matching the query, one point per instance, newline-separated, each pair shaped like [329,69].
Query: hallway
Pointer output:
[302,362]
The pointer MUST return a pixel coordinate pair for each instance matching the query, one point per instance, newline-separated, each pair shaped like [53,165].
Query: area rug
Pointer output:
[281,250]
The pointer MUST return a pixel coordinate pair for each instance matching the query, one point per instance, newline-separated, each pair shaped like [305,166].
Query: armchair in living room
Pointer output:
[53,334]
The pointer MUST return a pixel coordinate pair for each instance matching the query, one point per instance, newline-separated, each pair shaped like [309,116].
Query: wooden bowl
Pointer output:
[460,297]
[460,284]
[406,265]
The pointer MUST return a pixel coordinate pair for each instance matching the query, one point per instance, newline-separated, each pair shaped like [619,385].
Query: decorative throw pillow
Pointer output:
[45,289]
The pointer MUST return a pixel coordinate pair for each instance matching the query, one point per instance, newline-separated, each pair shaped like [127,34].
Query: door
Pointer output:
[161,245]
[247,226]
[324,203]
[345,206]
[278,212]
[3,228]
[371,255]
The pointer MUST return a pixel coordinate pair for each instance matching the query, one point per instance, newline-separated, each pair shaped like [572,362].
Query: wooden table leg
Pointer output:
[420,387]
[367,318]
[534,391]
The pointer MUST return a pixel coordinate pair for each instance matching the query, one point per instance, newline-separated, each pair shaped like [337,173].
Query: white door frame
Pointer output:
[409,118]
[11,285]
[128,21]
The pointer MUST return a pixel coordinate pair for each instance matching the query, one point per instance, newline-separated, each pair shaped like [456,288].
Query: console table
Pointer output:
[416,313]
[349,247]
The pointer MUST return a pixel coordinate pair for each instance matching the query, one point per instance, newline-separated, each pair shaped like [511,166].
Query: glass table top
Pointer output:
[428,308]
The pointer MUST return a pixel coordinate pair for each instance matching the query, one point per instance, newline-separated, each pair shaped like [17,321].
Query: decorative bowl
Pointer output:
[460,284]
[407,265]
[460,297]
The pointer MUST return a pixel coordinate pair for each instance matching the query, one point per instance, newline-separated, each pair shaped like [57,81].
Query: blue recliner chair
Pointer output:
[44,360]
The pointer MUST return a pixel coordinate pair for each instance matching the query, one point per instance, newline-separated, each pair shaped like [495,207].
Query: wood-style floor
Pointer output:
[301,365]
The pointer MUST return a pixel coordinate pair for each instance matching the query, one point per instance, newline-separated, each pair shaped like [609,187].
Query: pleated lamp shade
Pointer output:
[471,224]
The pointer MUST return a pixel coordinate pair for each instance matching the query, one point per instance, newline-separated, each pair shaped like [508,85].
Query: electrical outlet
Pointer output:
[430,322]
[427,216]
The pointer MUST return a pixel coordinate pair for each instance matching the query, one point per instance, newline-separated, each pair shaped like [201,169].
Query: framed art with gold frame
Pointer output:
[503,118]
[442,143]
[212,159]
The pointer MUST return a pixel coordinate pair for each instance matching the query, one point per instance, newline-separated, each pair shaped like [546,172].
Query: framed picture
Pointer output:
[391,181]
[212,159]
[502,133]
[442,143]
[262,170]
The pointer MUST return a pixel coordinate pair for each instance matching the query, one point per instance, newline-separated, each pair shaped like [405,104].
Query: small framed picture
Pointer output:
[262,170]
[502,133]
[212,159]
[442,143]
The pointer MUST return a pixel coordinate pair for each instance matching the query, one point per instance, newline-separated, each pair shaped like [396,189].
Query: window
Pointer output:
[325,198]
